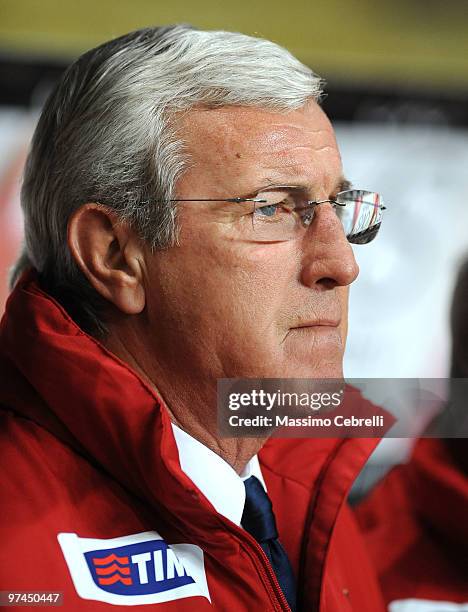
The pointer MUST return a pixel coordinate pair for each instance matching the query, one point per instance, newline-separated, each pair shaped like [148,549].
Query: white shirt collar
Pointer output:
[215,478]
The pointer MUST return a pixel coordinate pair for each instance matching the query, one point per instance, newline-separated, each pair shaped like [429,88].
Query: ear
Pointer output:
[109,254]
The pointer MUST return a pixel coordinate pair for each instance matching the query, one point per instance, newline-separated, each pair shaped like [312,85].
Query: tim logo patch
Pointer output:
[136,569]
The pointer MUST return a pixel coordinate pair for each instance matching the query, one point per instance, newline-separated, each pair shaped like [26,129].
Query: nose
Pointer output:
[328,259]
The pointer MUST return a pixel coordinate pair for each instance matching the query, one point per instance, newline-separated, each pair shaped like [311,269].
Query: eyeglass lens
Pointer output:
[283,218]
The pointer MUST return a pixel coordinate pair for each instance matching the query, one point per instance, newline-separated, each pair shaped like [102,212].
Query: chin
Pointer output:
[317,370]
[327,371]
[298,369]
[319,360]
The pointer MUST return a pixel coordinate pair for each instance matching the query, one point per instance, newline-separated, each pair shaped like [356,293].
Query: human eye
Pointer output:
[276,208]
[269,211]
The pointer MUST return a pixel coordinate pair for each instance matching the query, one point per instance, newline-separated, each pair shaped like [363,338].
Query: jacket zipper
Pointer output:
[267,571]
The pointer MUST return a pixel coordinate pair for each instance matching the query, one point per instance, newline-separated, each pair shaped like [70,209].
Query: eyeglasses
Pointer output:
[277,218]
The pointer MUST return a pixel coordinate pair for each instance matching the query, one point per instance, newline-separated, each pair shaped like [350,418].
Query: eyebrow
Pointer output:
[343,184]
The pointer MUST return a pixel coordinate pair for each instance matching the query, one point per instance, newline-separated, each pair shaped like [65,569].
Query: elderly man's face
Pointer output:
[224,305]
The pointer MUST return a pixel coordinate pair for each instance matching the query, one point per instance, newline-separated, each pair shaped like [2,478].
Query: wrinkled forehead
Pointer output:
[247,143]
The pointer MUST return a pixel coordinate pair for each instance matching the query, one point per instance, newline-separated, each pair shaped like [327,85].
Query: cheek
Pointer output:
[249,285]
[222,286]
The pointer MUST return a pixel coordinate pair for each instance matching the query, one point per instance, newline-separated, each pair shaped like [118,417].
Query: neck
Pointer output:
[197,417]
[235,451]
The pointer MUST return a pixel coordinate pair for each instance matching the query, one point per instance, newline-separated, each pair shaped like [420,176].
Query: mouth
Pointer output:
[319,323]
[326,328]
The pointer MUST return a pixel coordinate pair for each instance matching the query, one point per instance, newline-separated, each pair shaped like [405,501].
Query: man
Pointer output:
[186,220]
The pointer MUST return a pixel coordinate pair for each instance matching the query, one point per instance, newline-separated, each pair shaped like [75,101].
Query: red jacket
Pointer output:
[95,504]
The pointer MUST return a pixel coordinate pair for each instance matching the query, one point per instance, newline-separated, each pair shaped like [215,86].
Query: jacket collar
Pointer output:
[72,385]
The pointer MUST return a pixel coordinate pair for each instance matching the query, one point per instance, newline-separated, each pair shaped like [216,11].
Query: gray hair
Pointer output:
[108,134]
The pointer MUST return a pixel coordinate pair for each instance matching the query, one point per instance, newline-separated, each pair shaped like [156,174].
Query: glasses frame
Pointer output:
[309,204]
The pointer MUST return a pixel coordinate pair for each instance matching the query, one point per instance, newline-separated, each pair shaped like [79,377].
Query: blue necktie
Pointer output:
[258,519]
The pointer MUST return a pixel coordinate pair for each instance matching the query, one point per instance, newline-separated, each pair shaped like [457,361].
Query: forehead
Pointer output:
[248,144]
